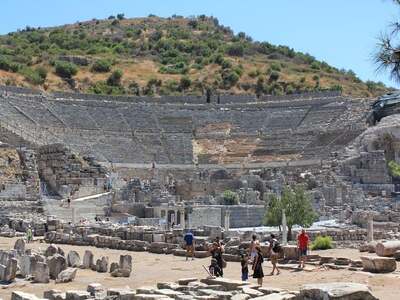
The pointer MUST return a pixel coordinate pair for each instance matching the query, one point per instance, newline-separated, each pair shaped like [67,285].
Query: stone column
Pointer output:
[284,228]
[73,215]
[370,229]
[183,221]
[227,220]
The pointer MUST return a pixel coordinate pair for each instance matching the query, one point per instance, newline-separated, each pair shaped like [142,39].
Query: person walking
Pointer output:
[302,246]
[274,250]
[189,243]
[257,266]
[252,248]
[29,234]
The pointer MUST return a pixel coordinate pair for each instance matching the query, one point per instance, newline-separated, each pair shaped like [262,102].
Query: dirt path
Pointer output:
[152,268]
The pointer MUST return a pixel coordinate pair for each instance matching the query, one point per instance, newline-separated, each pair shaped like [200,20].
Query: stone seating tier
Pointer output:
[137,132]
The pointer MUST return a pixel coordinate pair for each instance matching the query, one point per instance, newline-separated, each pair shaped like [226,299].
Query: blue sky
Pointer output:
[340,32]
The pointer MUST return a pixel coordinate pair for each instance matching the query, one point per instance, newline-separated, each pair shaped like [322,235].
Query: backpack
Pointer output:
[277,247]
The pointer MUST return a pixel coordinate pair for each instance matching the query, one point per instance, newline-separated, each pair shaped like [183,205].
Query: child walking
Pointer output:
[245,267]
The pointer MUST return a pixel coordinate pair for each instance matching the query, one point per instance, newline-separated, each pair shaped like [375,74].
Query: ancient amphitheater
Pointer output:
[179,131]
[118,175]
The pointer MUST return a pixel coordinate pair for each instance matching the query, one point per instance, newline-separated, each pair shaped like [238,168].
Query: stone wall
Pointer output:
[69,175]
[201,216]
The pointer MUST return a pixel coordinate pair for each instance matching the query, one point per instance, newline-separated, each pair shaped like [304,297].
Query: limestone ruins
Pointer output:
[134,173]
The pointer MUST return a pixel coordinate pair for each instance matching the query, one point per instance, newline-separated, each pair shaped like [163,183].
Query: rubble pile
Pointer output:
[211,289]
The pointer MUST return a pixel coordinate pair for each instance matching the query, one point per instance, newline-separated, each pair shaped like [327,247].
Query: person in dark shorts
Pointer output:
[215,269]
[302,245]
[216,251]
[189,243]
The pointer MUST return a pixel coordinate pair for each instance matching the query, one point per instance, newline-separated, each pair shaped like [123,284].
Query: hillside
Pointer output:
[165,56]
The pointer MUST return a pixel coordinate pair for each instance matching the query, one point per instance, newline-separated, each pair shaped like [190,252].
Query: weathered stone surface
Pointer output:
[56,263]
[51,250]
[27,264]
[228,284]
[114,266]
[73,259]
[214,293]
[337,291]
[121,294]
[102,265]
[396,255]
[270,290]
[150,297]
[378,264]
[8,272]
[41,273]
[16,295]
[388,248]
[290,252]
[94,288]
[77,295]
[169,293]
[125,262]
[120,273]
[19,245]
[67,275]
[240,297]
[280,296]
[252,292]
[53,294]
[186,281]
[88,260]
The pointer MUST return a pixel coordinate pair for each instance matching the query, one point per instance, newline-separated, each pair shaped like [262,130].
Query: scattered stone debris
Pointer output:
[213,289]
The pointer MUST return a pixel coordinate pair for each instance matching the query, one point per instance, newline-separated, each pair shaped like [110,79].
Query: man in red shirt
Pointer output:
[302,245]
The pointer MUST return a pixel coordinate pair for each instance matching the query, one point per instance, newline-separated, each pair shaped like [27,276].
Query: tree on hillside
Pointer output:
[297,206]
[388,54]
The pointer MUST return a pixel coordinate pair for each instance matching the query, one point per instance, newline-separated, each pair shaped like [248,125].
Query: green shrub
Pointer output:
[115,78]
[274,76]
[315,65]
[394,168]
[235,49]
[36,76]
[322,243]
[7,65]
[66,69]
[185,83]
[101,66]
[230,198]
[102,88]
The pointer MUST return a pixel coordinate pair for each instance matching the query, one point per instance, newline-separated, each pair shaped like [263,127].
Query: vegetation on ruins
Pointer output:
[394,169]
[230,198]
[322,243]
[297,205]
[165,56]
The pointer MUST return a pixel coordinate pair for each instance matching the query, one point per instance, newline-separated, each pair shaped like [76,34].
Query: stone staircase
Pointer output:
[81,208]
